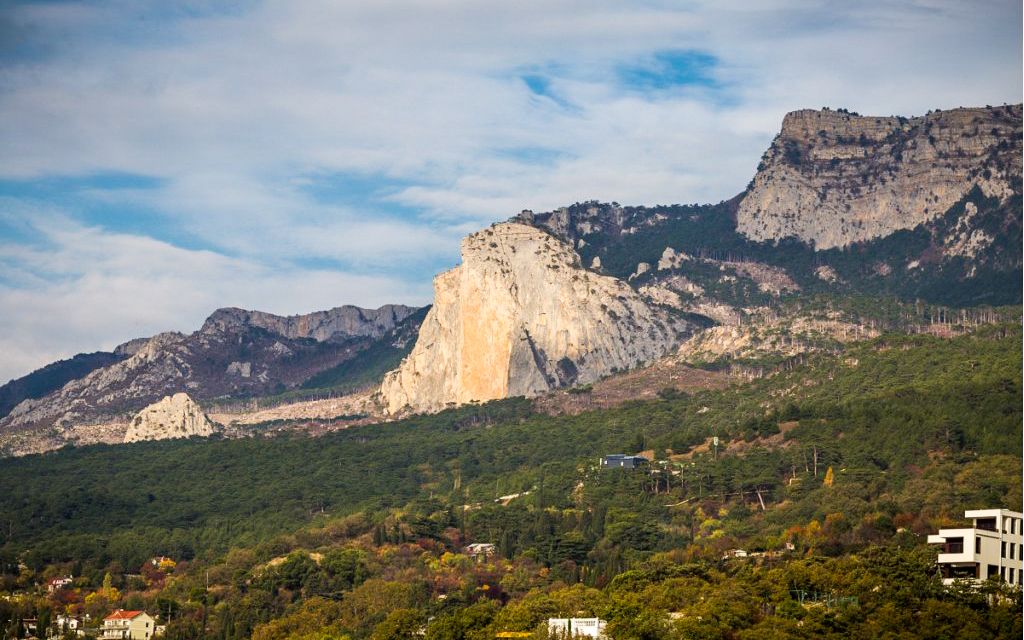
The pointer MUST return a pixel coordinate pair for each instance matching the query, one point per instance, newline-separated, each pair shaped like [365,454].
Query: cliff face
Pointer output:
[521,316]
[833,178]
[174,416]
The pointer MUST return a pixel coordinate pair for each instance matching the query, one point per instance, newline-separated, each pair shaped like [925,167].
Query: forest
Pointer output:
[828,475]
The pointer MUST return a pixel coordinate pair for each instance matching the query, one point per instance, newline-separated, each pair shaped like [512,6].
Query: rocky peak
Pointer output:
[521,316]
[175,416]
[335,324]
[832,178]
[131,347]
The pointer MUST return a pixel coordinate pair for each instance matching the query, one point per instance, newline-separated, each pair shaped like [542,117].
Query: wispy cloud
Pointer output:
[330,142]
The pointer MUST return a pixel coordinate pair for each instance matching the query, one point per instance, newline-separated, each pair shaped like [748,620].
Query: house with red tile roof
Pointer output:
[133,625]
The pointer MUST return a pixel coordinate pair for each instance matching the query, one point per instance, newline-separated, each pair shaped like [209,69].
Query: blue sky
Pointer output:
[160,160]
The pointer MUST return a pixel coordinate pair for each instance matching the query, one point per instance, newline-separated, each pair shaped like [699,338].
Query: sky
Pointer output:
[159,160]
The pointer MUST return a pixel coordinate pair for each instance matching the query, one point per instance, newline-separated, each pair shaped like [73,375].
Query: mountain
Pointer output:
[941,224]
[521,316]
[843,207]
[925,207]
[236,353]
[52,377]
[832,178]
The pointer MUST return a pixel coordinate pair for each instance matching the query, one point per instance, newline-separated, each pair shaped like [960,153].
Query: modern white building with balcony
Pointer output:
[992,547]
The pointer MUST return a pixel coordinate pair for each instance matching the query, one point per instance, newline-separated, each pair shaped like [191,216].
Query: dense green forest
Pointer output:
[851,459]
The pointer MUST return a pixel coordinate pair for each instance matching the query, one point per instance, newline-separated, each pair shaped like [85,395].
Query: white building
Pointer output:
[992,547]
[56,584]
[68,623]
[576,627]
[128,625]
[481,550]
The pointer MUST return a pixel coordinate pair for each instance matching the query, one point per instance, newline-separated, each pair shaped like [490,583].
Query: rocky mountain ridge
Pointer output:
[337,324]
[925,209]
[233,354]
[832,178]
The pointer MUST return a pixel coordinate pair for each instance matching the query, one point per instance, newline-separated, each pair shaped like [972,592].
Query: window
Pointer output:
[1011,575]
[1002,549]
[988,524]
[977,544]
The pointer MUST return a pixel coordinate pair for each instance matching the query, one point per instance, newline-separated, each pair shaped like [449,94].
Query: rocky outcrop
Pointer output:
[768,335]
[521,316]
[131,347]
[174,416]
[340,323]
[832,178]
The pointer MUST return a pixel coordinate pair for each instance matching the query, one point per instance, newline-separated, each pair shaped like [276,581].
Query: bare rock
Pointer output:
[519,317]
[174,416]
[832,178]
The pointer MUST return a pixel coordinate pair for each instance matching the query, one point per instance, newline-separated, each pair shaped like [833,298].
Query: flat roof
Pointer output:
[992,513]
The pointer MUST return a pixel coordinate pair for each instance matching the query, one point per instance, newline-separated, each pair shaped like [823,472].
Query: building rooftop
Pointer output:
[991,513]
[121,614]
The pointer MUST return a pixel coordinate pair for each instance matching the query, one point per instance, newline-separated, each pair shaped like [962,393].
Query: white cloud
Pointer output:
[113,287]
[233,110]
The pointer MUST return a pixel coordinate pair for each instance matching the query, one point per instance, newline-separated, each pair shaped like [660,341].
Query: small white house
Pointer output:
[62,582]
[65,623]
[481,550]
[992,547]
[576,627]
[735,553]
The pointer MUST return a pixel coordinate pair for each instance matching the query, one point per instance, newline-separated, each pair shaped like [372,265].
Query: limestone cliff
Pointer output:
[339,323]
[174,416]
[832,178]
[521,316]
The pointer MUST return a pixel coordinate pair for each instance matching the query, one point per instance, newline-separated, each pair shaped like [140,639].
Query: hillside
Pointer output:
[53,376]
[885,394]
[921,208]
[235,354]
[894,421]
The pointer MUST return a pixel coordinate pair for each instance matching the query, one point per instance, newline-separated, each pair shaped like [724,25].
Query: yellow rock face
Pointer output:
[521,316]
